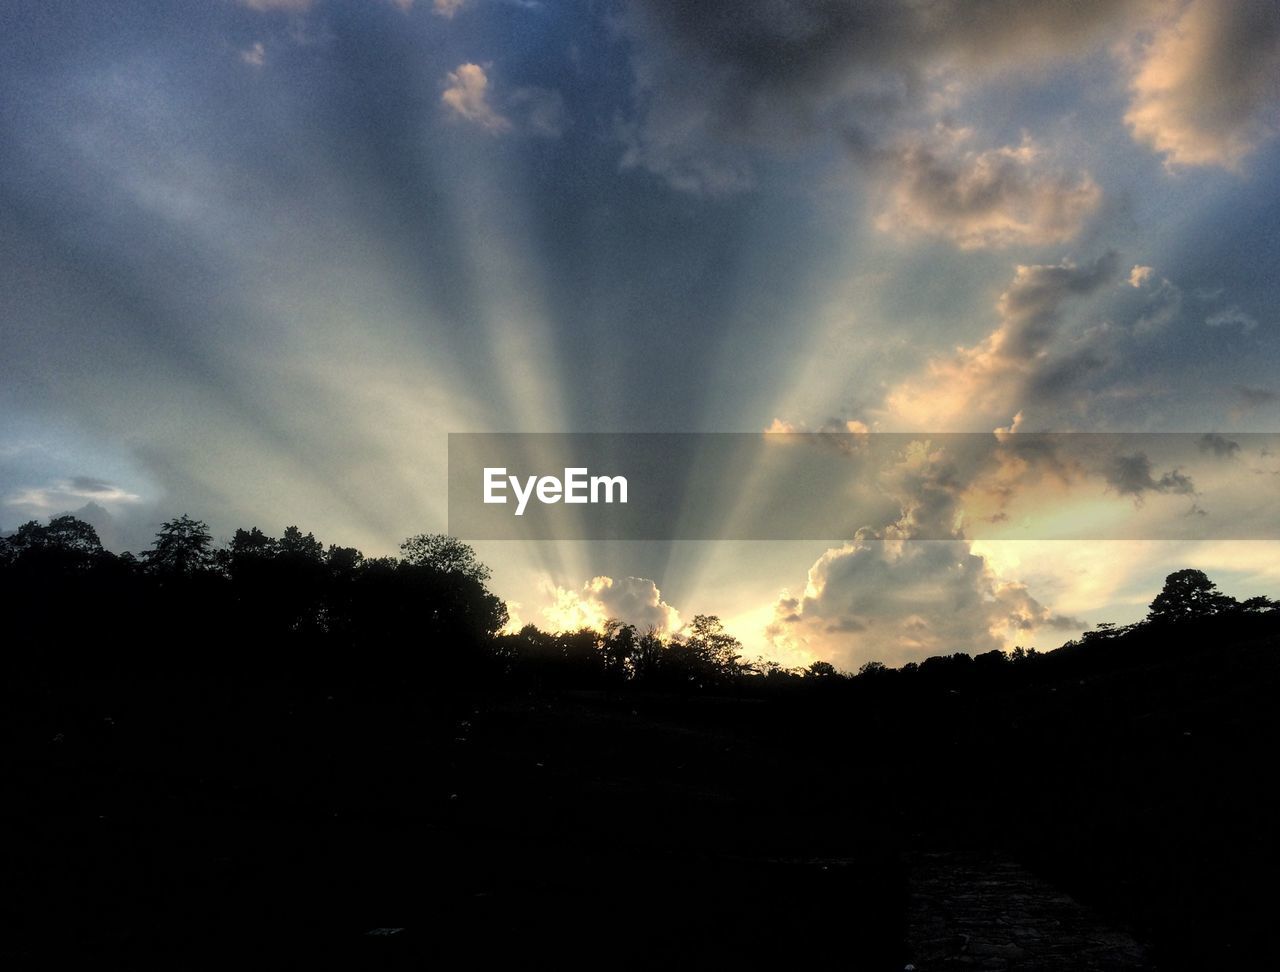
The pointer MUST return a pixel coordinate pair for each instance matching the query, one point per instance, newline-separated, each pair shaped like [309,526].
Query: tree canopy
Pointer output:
[1188,594]
[445,554]
[183,546]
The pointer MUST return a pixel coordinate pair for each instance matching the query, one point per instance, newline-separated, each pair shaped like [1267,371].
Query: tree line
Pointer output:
[432,606]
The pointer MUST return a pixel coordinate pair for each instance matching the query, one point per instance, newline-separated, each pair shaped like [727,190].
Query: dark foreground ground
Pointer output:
[1113,812]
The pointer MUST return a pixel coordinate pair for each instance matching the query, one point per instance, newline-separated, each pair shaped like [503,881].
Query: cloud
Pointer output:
[1139,276]
[1131,476]
[88,484]
[1219,445]
[536,111]
[1025,361]
[715,80]
[848,436]
[1232,317]
[255,54]
[1203,80]
[937,185]
[871,601]
[467,96]
[1016,609]
[634,600]
[890,596]
[64,494]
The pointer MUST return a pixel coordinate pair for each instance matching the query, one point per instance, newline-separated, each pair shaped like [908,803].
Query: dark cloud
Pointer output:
[88,484]
[845,625]
[1064,622]
[1218,445]
[1132,476]
[1030,361]
[713,78]
[1031,307]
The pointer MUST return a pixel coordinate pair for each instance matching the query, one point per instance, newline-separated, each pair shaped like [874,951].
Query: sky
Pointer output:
[258,258]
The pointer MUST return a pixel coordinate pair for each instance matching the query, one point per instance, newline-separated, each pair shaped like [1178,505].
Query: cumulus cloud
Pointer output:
[1020,363]
[871,601]
[889,595]
[442,8]
[467,97]
[937,184]
[634,600]
[1202,82]
[255,54]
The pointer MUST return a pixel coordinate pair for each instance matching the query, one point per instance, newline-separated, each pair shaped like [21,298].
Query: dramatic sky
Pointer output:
[259,257]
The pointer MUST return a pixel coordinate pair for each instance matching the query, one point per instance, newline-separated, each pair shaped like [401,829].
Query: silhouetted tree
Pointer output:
[446,554]
[774,672]
[252,543]
[1188,594]
[295,546]
[616,647]
[580,651]
[73,535]
[343,561]
[1259,605]
[246,556]
[448,580]
[66,542]
[646,656]
[706,655]
[181,548]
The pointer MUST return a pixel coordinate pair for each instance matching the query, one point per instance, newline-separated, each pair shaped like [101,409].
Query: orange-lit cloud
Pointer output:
[890,596]
[467,97]
[978,387]
[937,184]
[1202,81]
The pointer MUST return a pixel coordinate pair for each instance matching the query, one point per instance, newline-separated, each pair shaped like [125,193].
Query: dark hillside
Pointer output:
[313,758]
